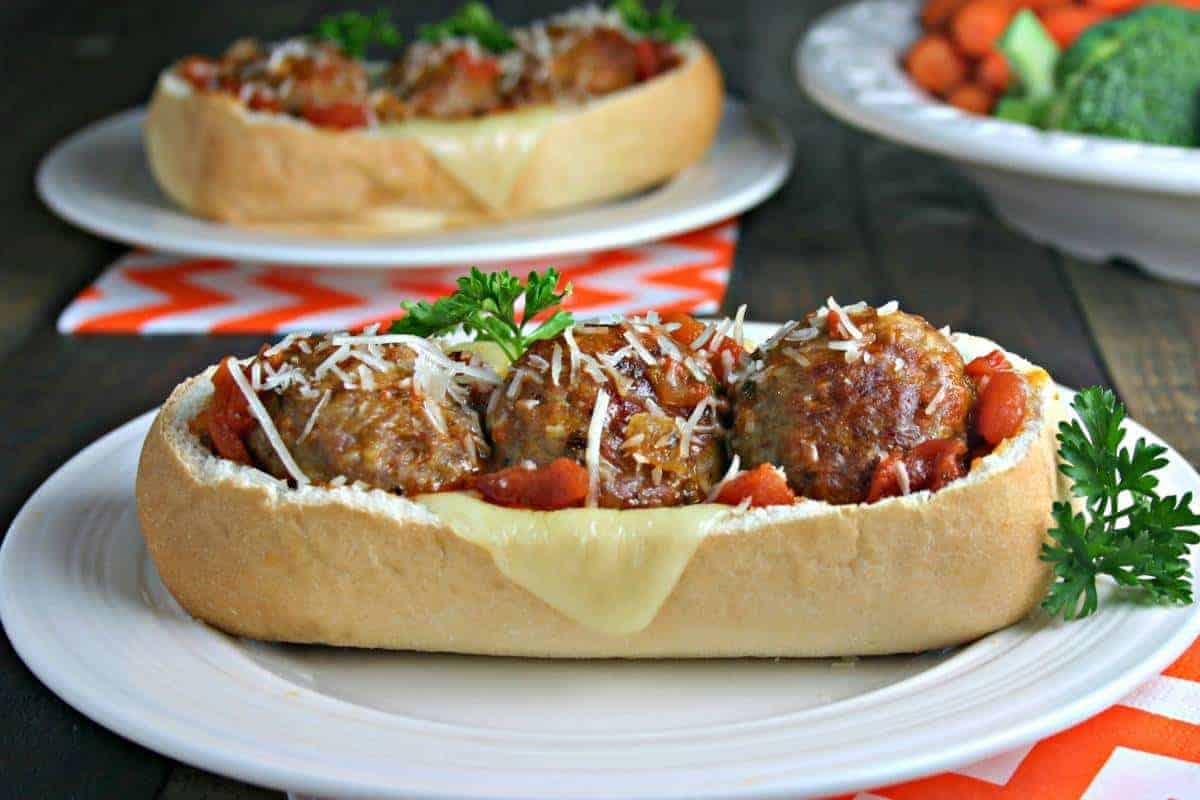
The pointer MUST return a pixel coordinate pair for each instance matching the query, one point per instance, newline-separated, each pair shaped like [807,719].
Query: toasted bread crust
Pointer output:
[367,569]
[218,160]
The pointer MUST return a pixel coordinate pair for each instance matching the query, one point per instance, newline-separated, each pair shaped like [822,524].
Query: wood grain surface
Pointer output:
[860,218]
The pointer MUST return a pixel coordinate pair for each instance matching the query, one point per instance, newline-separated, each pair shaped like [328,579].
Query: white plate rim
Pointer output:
[879,97]
[30,645]
[549,236]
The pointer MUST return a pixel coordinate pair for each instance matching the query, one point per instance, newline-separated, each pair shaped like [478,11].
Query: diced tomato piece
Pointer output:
[340,116]
[935,463]
[562,483]
[476,68]
[837,330]
[679,389]
[199,71]
[990,364]
[690,329]
[649,59]
[229,418]
[885,482]
[930,465]
[263,101]
[764,485]
[1001,408]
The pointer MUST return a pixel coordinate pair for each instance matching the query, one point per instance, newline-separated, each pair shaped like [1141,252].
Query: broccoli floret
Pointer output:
[1134,77]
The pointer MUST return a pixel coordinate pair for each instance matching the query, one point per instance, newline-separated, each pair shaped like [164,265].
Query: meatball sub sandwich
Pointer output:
[473,122]
[860,483]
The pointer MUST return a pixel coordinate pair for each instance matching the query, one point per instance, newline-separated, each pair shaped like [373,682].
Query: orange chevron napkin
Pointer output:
[160,293]
[1146,747]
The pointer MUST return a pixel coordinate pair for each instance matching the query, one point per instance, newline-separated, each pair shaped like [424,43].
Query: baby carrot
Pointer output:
[934,65]
[973,98]
[937,13]
[978,25]
[1066,23]
[1115,6]
[993,72]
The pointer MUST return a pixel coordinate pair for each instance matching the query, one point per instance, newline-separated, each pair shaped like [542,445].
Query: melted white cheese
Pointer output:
[486,155]
[605,569]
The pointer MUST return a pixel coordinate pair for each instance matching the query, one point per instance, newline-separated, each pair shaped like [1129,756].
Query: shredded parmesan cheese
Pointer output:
[739,321]
[735,466]
[556,363]
[572,350]
[268,426]
[936,401]
[847,323]
[639,348]
[689,427]
[333,360]
[312,418]
[902,477]
[797,356]
[595,433]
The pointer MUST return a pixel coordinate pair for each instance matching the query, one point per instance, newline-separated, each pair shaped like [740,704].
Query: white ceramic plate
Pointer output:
[1095,197]
[98,179]
[84,608]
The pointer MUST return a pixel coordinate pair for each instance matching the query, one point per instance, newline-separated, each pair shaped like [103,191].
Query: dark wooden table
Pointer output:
[860,218]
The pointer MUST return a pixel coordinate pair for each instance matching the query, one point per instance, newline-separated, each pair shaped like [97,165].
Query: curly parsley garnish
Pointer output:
[661,24]
[1149,551]
[473,20]
[485,306]
[353,32]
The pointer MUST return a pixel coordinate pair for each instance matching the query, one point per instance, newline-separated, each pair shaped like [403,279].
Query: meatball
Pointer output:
[597,62]
[299,74]
[828,400]
[661,441]
[445,82]
[396,416]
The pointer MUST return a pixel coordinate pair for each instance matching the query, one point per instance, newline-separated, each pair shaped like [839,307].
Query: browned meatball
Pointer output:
[827,409]
[594,62]
[661,443]
[447,82]
[299,73]
[370,412]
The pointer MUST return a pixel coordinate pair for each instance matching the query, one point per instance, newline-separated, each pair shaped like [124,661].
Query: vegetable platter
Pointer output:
[1091,194]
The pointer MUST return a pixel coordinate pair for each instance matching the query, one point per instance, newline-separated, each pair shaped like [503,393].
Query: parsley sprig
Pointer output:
[473,20]
[1129,532]
[661,24]
[353,31]
[485,305]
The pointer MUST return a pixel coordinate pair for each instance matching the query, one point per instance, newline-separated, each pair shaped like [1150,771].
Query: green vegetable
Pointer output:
[1015,108]
[354,32]
[1133,77]
[661,24]
[485,305]
[1032,54]
[474,20]
[1149,551]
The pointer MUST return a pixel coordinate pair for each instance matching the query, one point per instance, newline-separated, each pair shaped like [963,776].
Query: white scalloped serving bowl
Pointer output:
[1093,197]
